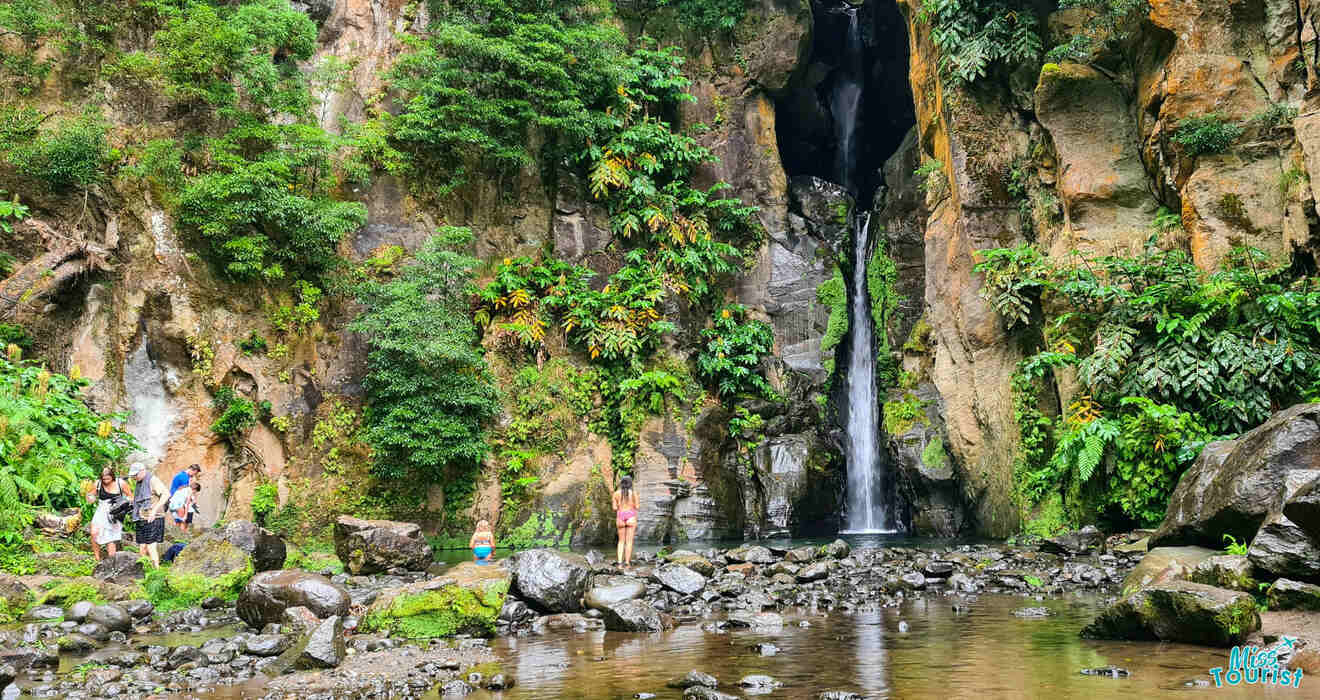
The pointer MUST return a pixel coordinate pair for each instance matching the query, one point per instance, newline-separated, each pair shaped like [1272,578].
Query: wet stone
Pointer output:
[1032,612]
[693,679]
[1107,672]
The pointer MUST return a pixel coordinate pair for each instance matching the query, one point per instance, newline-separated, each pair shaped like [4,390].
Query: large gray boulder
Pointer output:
[1293,595]
[120,567]
[373,546]
[679,578]
[1303,508]
[1235,485]
[1225,571]
[550,580]
[270,593]
[112,617]
[266,548]
[929,485]
[632,616]
[611,590]
[325,645]
[1164,564]
[1179,611]
[1281,549]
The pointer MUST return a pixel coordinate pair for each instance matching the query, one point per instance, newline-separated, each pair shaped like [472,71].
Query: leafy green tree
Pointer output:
[429,392]
[491,74]
[735,348]
[976,36]
[232,56]
[266,208]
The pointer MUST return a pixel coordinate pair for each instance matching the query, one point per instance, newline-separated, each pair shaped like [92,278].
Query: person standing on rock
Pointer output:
[182,504]
[626,504]
[148,505]
[106,530]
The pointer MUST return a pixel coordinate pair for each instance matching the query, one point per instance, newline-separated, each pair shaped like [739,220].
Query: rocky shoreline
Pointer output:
[319,635]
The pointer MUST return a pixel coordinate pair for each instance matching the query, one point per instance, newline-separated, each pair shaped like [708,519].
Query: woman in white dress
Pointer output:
[106,531]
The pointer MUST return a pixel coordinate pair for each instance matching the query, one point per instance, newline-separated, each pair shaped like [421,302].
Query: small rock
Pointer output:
[38,613]
[265,645]
[1032,612]
[694,678]
[455,689]
[1293,595]
[325,645]
[759,681]
[765,649]
[112,617]
[1107,671]
[839,695]
[499,681]
[78,611]
[704,693]
[837,549]
[813,572]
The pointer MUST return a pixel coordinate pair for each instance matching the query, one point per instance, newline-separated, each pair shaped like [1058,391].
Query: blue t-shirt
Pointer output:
[181,480]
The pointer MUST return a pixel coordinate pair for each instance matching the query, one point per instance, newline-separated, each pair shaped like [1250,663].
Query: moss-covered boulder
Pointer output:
[1225,571]
[467,600]
[1179,611]
[1293,595]
[1164,564]
[210,566]
[14,598]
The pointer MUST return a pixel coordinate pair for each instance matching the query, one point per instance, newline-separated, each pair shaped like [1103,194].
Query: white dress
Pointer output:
[107,529]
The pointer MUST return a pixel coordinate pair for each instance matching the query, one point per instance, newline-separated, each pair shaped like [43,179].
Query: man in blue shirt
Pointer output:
[185,477]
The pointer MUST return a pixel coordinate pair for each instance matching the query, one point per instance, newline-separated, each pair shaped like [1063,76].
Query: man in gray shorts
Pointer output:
[148,510]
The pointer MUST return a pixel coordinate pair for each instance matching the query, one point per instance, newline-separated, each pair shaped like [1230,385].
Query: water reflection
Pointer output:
[984,653]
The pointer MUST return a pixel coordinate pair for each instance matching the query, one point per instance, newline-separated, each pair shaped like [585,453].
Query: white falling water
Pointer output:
[867,512]
[153,416]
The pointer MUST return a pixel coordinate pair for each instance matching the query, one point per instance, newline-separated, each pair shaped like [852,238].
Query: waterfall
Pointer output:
[153,417]
[867,507]
[868,510]
[846,103]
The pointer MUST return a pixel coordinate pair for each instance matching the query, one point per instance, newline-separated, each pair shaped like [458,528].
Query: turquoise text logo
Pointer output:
[1252,666]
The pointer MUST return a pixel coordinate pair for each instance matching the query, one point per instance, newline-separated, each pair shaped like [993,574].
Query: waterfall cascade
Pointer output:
[868,507]
[153,417]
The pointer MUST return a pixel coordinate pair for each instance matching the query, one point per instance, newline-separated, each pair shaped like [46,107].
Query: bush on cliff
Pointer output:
[1166,356]
[429,392]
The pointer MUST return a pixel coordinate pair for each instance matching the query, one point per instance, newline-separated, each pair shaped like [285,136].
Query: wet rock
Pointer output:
[1032,612]
[24,658]
[325,645]
[78,611]
[119,567]
[7,675]
[373,546]
[265,645]
[1164,564]
[566,622]
[95,631]
[938,569]
[760,682]
[112,617]
[609,590]
[703,693]
[801,555]
[1235,484]
[679,578]
[455,689]
[515,611]
[466,600]
[38,613]
[765,649]
[137,608]
[632,616]
[1224,571]
[1083,541]
[813,572]
[1282,549]
[694,679]
[76,643]
[913,580]
[837,549]
[1293,595]
[210,566]
[962,583]
[269,593]
[299,620]
[761,620]
[1179,611]
[694,561]
[839,695]
[1107,671]
[184,654]
[751,554]
[550,580]
[1303,508]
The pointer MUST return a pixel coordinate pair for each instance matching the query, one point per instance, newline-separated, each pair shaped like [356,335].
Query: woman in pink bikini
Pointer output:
[625,507]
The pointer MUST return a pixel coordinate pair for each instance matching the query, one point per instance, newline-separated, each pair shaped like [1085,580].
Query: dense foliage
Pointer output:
[734,350]
[488,76]
[1165,357]
[50,441]
[976,36]
[429,392]
[70,154]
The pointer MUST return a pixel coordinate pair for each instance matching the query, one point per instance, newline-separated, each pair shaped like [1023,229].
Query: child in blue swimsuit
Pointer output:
[482,543]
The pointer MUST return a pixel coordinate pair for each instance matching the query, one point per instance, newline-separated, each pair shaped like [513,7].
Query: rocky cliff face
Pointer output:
[141,315]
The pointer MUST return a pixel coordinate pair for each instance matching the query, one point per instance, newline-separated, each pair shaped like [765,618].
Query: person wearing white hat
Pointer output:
[148,510]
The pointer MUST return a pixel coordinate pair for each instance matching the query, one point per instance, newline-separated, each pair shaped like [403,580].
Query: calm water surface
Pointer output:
[985,652]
